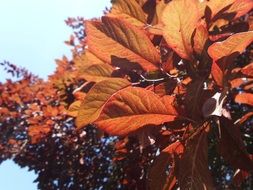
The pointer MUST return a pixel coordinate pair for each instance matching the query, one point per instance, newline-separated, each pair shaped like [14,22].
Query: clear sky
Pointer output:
[33,32]
[32,35]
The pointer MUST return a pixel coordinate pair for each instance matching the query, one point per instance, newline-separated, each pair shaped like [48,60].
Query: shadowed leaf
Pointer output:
[193,170]
[161,175]
[231,146]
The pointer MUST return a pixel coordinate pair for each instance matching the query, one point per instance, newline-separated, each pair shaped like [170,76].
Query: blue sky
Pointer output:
[32,35]
[33,31]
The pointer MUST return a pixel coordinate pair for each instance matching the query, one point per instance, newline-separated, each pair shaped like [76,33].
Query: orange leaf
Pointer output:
[115,39]
[240,7]
[179,24]
[85,59]
[73,108]
[218,6]
[96,98]
[95,72]
[217,74]
[36,133]
[129,10]
[233,44]
[240,82]
[50,111]
[133,108]
[244,98]
[248,70]
[200,38]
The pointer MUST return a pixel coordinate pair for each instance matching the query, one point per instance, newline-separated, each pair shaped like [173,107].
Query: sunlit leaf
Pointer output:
[244,98]
[200,38]
[129,10]
[233,44]
[96,98]
[73,108]
[217,74]
[240,8]
[131,109]
[248,70]
[95,72]
[115,39]
[37,132]
[179,24]
[217,6]
[86,58]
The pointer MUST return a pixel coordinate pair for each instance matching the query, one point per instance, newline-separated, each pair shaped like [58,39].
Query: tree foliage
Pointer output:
[158,95]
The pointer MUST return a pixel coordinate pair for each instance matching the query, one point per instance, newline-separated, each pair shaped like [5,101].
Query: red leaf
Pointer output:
[160,177]
[193,172]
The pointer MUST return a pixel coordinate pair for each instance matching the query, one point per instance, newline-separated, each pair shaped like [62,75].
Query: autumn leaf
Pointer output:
[160,177]
[85,59]
[117,38]
[218,7]
[217,74]
[244,98]
[179,25]
[231,146]
[73,108]
[248,70]
[226,51]
[193,172]
[242,83]
[233,44]
[131,109]
[95,72]
[96,98]
[36,132]
[200,38]
[129,10]
[240,8]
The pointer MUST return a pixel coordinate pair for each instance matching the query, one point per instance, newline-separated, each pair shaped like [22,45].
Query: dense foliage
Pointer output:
[158,95]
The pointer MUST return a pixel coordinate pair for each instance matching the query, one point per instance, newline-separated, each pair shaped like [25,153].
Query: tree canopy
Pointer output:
[157,95]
